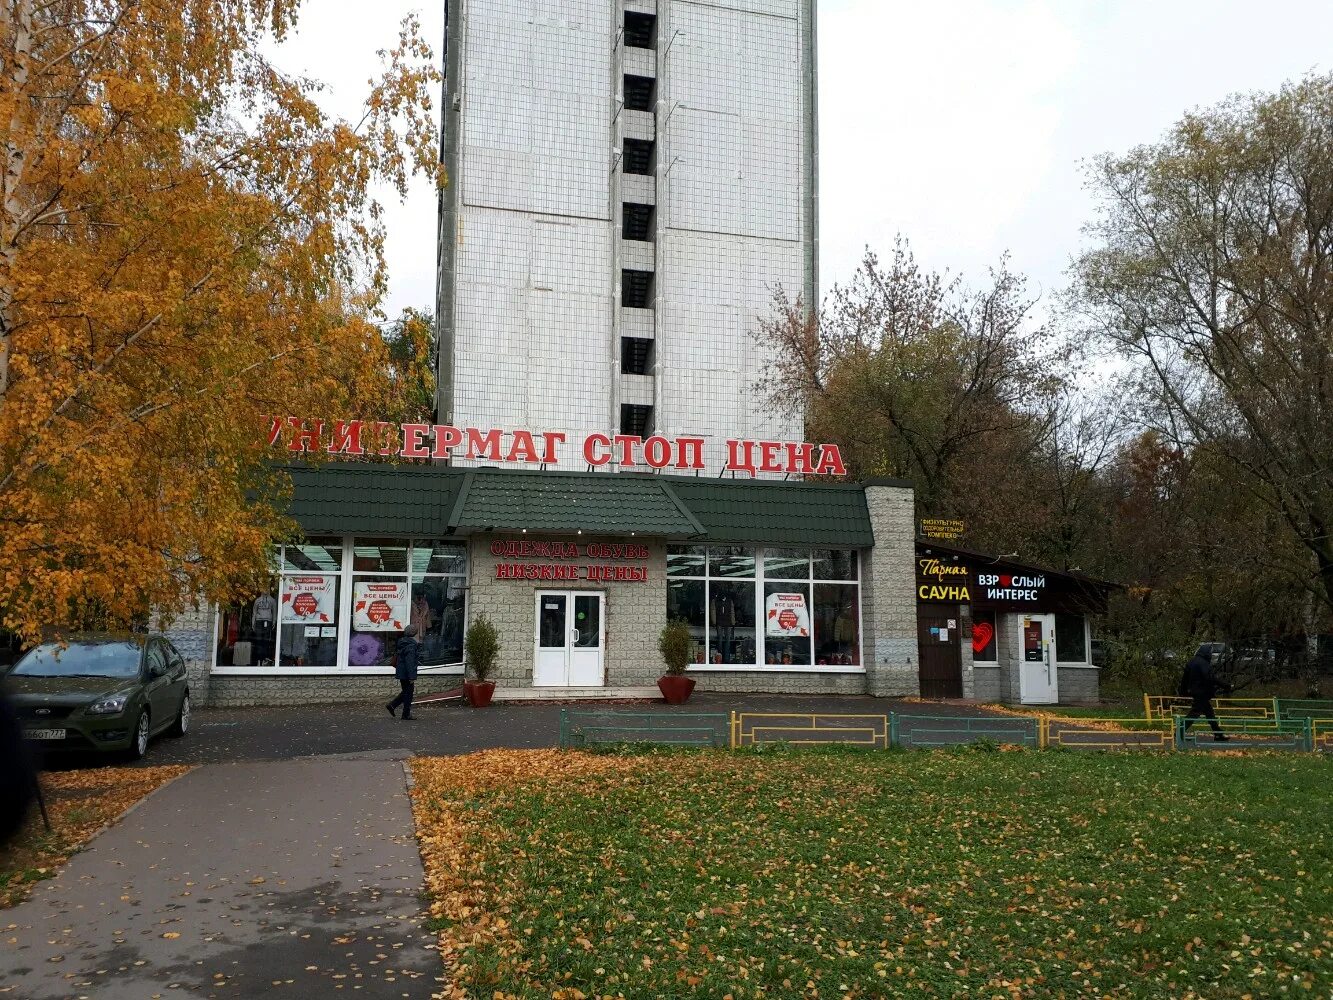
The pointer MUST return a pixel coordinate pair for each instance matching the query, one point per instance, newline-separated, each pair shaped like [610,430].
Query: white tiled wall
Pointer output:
[537,269]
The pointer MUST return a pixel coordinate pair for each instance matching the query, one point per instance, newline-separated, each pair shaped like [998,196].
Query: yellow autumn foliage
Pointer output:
[187,243]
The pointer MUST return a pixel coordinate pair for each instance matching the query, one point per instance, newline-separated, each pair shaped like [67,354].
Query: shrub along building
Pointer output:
[787,587]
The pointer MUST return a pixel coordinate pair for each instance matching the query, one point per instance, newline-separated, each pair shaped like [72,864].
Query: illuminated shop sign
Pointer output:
[946,582]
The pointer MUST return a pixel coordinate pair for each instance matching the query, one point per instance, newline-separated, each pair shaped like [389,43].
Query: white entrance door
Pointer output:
[1038,681]
[570,639]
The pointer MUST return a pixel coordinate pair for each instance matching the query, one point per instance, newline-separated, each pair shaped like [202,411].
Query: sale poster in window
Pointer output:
[309,599]
[380,606]
[787,615]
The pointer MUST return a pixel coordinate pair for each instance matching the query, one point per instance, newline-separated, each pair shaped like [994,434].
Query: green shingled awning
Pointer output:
[431,501]
[563,503]
[362,499]
[778,513]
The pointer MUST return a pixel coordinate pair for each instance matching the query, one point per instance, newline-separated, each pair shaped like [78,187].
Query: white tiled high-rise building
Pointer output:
[629,181]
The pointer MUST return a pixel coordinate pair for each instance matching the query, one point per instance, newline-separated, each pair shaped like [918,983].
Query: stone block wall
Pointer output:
[634,614]
[192,633]
[231,691]
[1079,685]
[1009,649]
[965,651]
[758,681]
[888,592]
[987,683]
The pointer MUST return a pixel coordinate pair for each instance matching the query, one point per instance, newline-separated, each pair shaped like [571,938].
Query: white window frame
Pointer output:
[345,575]
[1086,663]
[759,580]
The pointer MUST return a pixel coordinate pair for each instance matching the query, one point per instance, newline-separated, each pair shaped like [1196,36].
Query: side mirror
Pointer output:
[157,670]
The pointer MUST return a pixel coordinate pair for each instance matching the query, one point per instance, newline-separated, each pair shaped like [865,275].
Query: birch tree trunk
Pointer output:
[16,25]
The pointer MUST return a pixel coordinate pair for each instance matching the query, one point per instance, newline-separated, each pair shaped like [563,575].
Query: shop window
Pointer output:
[686,600]
[318,554]
[383,555]
[687,560]
[836,564]
[1071,639]
[308,619]
[985,640]
[787,625]
[317,605]
[786,564]
[731,637]
[837,624]
[764,607]
[247,635]
[731,561]
[387,598]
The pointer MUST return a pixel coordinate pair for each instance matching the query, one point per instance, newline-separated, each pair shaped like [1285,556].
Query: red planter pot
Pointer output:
[676,690]
[479,692]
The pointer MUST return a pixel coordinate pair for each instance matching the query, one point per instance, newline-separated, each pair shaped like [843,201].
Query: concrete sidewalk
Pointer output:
[296,878]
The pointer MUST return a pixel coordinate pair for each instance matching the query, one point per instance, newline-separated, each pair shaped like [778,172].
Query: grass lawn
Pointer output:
[80,803]
[836,873]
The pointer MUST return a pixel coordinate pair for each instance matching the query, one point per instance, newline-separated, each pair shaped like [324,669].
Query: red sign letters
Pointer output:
[521,447]
[602,572]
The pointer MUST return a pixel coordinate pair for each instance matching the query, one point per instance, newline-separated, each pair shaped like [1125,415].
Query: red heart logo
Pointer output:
[1006,580]
[982,634]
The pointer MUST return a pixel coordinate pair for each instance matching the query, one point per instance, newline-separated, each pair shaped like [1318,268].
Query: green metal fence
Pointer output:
[580,728]
[584,728]
[750,729]
[920,731]
[1305,708]
[1246,734]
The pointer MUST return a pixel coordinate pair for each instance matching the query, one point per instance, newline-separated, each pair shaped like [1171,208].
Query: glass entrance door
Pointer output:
[570,640]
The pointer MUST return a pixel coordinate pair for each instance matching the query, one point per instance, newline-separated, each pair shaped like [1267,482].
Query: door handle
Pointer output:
[574,635]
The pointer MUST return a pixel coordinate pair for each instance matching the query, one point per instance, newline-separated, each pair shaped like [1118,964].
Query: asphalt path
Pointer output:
[295,878]
[448,728]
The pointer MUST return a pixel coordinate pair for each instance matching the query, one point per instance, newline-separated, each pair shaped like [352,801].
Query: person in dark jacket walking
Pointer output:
[408,653]
[1199,683]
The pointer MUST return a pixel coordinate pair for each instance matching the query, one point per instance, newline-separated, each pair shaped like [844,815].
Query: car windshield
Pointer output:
[81,659]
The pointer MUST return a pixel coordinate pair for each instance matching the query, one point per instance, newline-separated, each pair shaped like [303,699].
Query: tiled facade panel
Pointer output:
[731,198]
[734,136]
[536,250]
[712,291]
[536,104]
[533,310]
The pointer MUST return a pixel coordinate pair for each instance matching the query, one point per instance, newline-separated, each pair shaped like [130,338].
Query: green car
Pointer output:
[101,693]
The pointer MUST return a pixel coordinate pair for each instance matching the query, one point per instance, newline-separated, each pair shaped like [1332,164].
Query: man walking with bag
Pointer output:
[408,653]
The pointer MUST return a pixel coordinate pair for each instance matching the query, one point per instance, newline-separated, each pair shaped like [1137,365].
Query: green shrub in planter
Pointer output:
[676,645]
[482,646]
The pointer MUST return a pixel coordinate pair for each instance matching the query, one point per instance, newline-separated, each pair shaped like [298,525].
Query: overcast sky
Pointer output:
[960,123]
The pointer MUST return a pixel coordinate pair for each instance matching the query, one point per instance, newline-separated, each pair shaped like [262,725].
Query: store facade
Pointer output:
[786,587]
[994,629]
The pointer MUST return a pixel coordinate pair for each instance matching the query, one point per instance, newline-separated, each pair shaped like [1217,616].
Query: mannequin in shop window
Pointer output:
[723,613]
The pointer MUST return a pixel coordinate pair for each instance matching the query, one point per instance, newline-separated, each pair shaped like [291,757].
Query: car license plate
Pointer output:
[45,734]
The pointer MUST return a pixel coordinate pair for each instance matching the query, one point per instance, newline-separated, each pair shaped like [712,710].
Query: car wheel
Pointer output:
[182,724]
[139,740]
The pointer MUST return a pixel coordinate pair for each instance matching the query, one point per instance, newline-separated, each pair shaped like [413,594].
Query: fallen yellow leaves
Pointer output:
[832,874]
[80,803]
[461,892]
